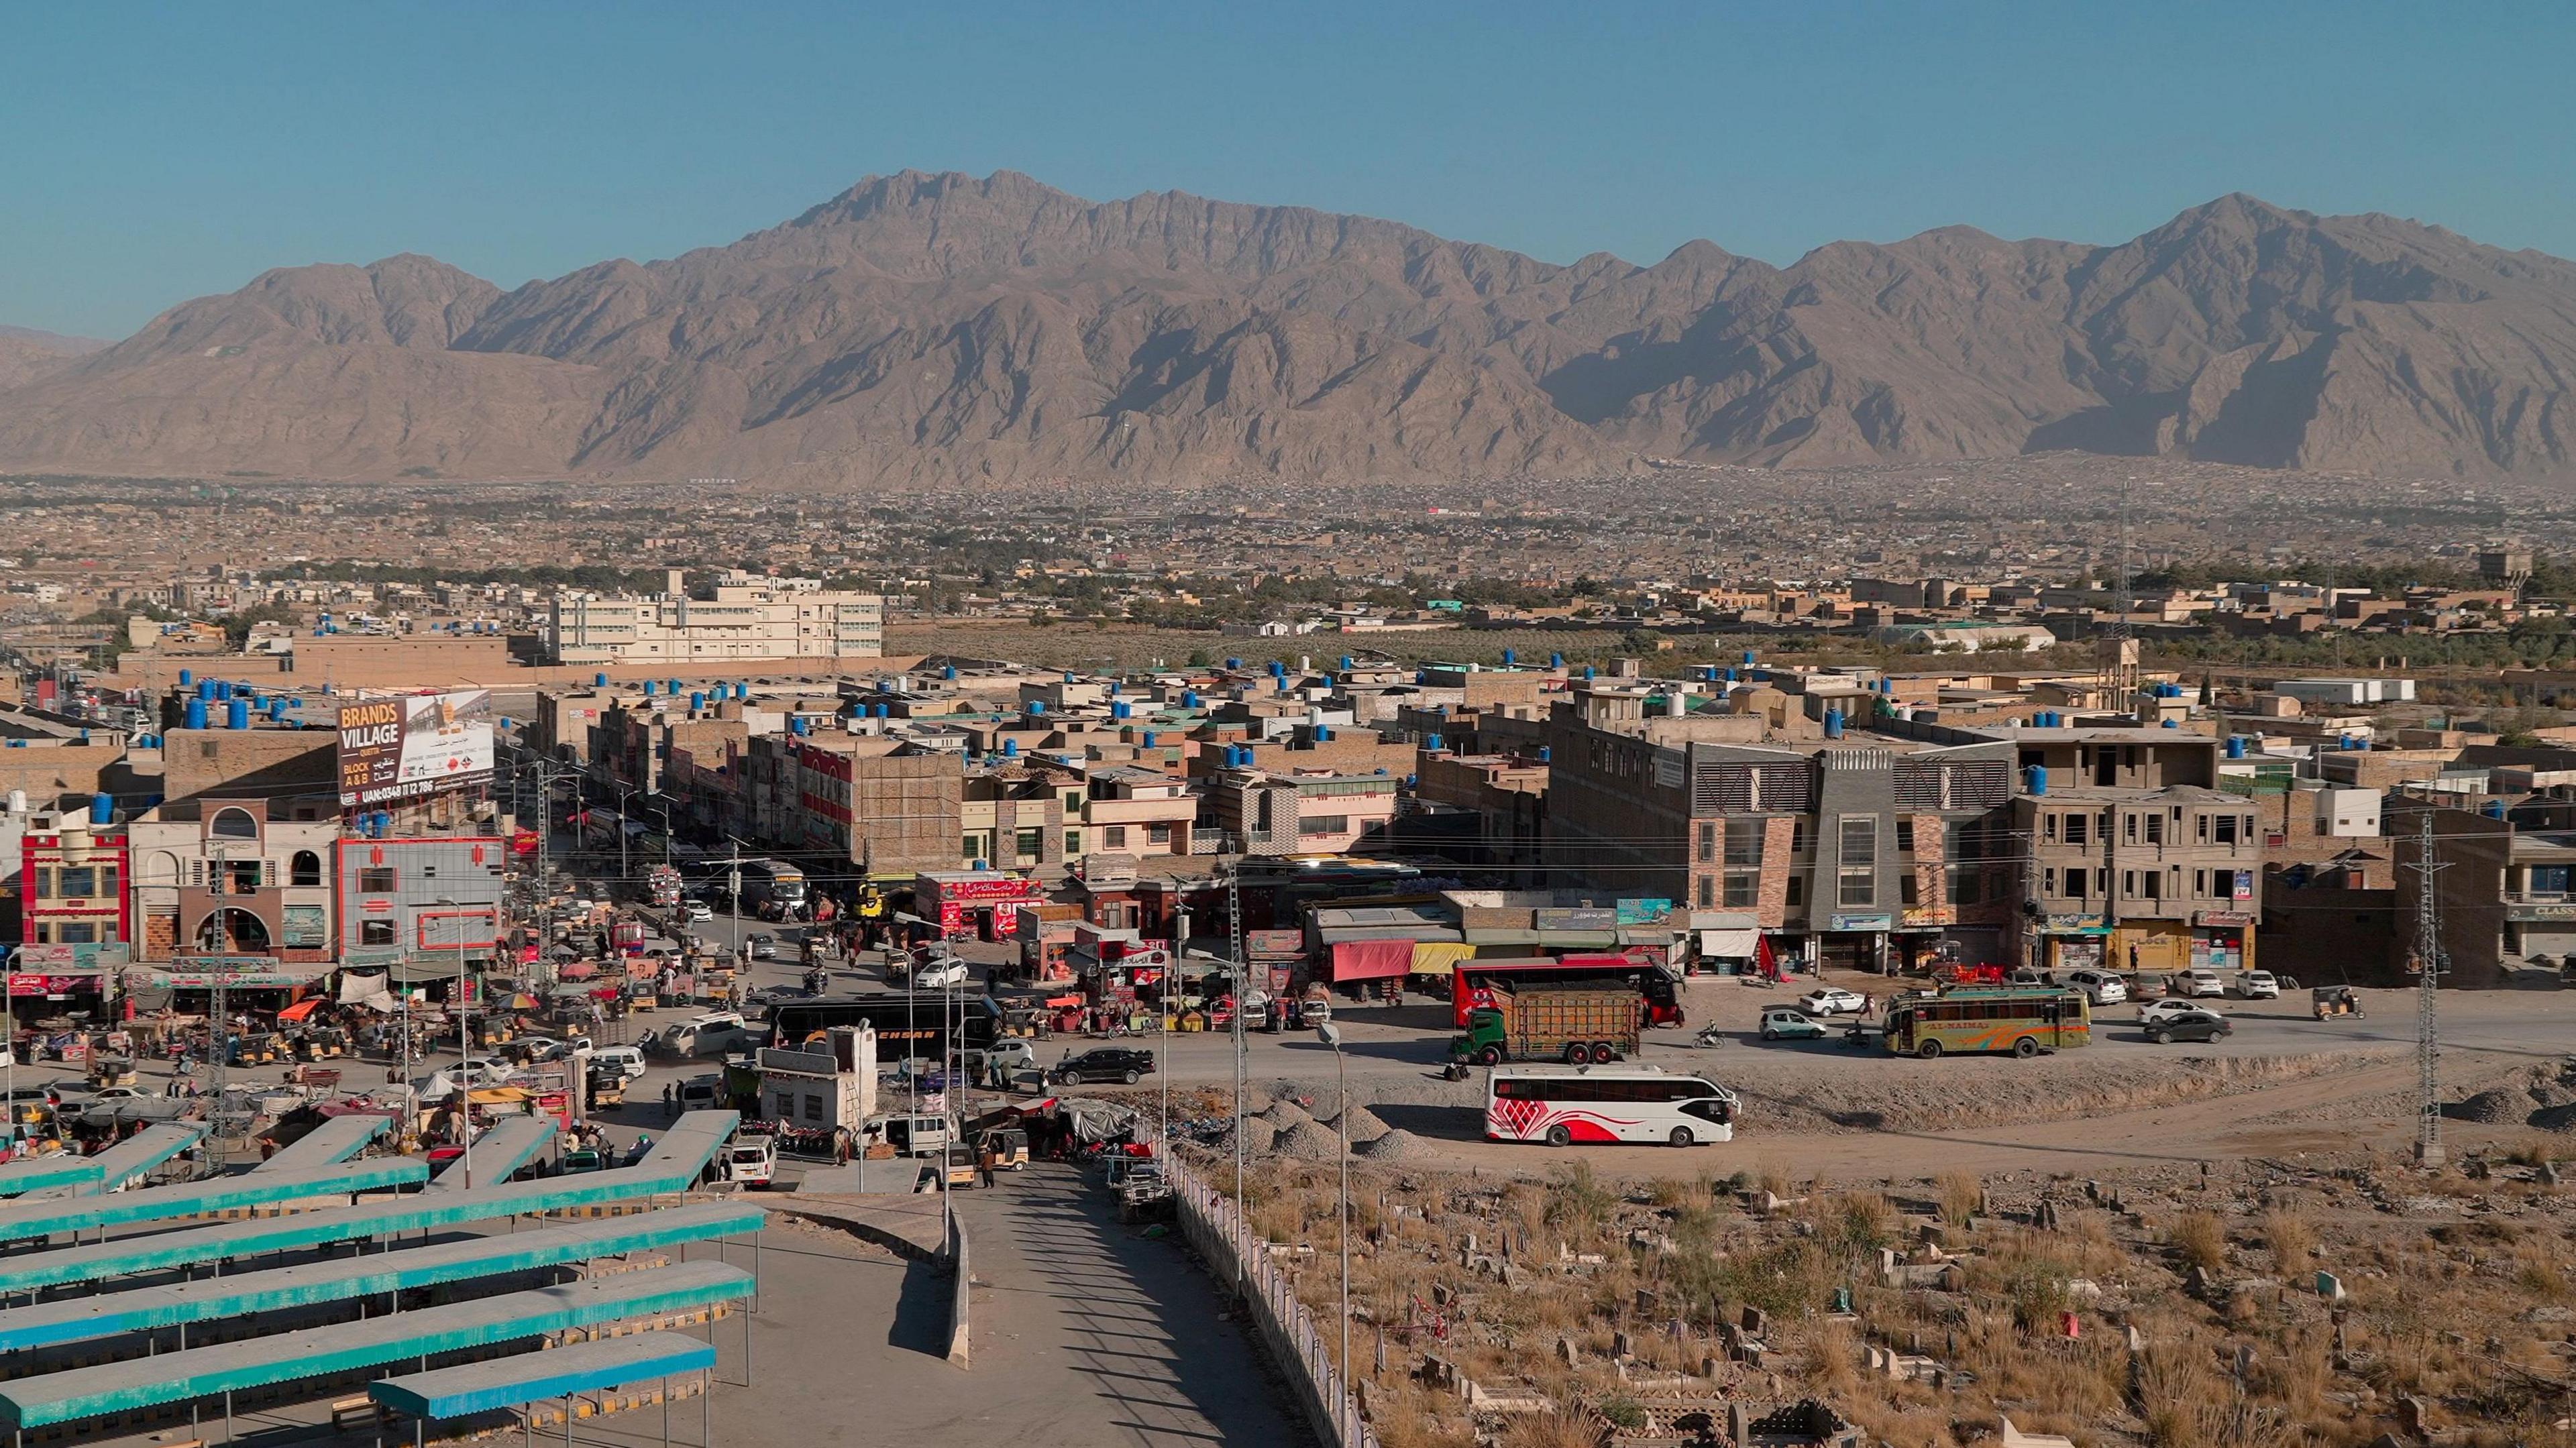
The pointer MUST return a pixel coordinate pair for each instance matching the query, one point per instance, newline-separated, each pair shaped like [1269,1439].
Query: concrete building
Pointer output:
[2156,880]
[747,617]
[422,900]
[235,877]
[884,807]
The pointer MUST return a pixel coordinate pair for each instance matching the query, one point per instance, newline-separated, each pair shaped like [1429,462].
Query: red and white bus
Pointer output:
[1473,986]
[1563,1105]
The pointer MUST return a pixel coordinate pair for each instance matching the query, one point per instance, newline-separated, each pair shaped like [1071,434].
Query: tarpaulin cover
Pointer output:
[1372,960]
[299,1010]
[365,990]
[1439,957]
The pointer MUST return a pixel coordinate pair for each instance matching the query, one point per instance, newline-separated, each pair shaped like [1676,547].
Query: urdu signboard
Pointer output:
[413,745]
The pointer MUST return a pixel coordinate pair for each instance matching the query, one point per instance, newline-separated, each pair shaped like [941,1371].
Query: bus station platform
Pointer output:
[334,1141]
[23,1220]
[123,1164]
[136,1384]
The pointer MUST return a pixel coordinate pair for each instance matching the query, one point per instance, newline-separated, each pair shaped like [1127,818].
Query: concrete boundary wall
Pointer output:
[1225,1242]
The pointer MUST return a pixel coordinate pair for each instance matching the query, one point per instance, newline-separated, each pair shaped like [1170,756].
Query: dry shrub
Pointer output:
[2292,1240]
[2539,1269]
[1564,1428]
[1960,1193]
[1676,1193]
[1772,1177]
[1578,1202]
[2201,1241]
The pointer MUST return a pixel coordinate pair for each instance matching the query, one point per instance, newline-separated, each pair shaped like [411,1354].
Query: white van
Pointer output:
[751,1161]
[626,1061]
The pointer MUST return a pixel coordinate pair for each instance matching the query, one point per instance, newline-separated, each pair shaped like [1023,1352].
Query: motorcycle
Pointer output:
[1709,1035]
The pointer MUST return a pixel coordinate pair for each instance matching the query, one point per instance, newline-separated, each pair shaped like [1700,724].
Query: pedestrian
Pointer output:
[1868,1005]
[984,1164]
[670,1100]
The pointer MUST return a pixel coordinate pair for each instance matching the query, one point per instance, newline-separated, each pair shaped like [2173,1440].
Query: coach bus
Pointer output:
[1476,982]
[2022,1020]
[1563,1105]
[907,1024]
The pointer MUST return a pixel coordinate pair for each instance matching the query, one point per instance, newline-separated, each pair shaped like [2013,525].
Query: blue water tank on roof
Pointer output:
[102,809]
[2034,780]
[237,713]
[196,713]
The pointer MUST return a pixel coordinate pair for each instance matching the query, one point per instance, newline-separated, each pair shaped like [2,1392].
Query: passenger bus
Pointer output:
[764,881]
[2022,1020]
[907,1025]
[1474,986]
[1563,1105]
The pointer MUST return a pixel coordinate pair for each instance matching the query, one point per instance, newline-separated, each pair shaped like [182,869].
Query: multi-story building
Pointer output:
[747,617]
[2137,879]
[1267,812]
[419,901]
[875,802]
[1866,854]
[1134,811]
[73,909]
[234,877]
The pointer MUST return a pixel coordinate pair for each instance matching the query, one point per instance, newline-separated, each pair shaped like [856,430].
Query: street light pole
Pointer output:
[464,1043]
[1331,1035]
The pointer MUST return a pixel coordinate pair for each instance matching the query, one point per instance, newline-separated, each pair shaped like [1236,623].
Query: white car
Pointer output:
[1831,1001]
[940,975]
[2161,1012]
[2257,985]
[2100,987]
[626,1061]
[698,912]
[2194,983]
[482,1071]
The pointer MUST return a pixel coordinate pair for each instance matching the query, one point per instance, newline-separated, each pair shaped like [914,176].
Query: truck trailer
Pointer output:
[1576,1026]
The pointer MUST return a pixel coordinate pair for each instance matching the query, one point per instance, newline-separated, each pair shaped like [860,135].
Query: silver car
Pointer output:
[2100,987]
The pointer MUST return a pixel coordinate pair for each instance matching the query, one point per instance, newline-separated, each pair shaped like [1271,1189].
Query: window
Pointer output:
[2076,882]
[2048,827]
[1963,887]
[1707,893]
[2129,827]
[2200,882]
[813,1106]
[2155,828]
[1162,834]
[1905,837]
[1744,841]
[245,876]
[1113,837]
[1797,891]
[2076,831]
[375,932]
[2202,821]
[233,824]
[1797,837]
[1308,825]
[1857,887]
[304,869]
[376,880]
[1907,889]
[972,847]
[41,886]
[1742,888]
[76,882]
[2226,825]
[76,932]
[1708,842]
[1073,799]
[1860,839]
[1030,843]
[1073,842]
[2154,881]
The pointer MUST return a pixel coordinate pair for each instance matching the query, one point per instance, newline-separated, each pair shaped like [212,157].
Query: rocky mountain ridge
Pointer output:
[945,328]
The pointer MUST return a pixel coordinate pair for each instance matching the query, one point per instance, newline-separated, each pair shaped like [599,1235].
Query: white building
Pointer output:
[2348,813]
[749,617]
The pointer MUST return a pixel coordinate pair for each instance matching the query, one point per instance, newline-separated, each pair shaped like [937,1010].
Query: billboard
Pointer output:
[415,745]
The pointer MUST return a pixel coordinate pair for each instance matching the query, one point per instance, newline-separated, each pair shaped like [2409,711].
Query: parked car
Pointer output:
[698,912]
[2164,1010]
[1790,1023]
[482,1071]
[2196,982]
[2257,985]
[2100,987]
[1109,1063]
[1831,1001]
[762,945]
[700,1093]
[2190,1026]
[946,973]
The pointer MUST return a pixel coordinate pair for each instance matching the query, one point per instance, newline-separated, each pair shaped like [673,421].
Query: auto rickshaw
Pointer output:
[2334,1000]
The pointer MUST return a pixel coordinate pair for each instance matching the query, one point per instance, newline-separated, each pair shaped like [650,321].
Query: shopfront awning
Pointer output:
[1440,957]
[299,1010]
[240,972]
[1371,960]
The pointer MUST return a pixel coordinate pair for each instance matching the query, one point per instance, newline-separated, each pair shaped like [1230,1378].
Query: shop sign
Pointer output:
[51,987]
[1915,916]
[81,957]
[985,888]
[1644,912]
[2223,919]
[1863,922]
[200,972]
[1574,919]
[2244,884]
[2521,912]
[2072,924]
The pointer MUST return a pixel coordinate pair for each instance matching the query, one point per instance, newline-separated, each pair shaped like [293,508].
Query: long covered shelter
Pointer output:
[500,1383]
[135,1384]
[24,1220]
[503,1148]
[335,1140]
[125,1163]
[341,1279]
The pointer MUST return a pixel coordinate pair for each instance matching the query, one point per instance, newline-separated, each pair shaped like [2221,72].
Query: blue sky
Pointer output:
[158,153]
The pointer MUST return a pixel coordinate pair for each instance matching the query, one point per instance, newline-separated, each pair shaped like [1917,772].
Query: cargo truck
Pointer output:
[1577,1027]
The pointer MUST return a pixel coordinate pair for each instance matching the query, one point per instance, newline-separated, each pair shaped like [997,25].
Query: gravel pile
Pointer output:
[2555,1118]
[1284,1116]
[2548,1092]
[1364,1125]
[1396,1144]
[1306,1141]
[2492,1107]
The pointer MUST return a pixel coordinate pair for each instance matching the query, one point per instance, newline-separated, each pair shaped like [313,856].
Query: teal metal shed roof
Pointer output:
[60,1169]
[39,1219]
[119,1165]
[174,1377]
[336,1140]
[488,1387]
[139,1309]
[424,1211]
[503,1148]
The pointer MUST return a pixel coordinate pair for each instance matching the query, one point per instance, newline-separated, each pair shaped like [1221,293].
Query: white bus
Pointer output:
[1563,1105]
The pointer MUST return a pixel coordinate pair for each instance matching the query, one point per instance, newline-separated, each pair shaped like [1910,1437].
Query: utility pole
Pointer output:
[2429,965]
[218,1047]
[1242,994]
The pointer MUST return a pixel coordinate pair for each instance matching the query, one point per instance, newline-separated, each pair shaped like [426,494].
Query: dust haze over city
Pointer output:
[1395,727]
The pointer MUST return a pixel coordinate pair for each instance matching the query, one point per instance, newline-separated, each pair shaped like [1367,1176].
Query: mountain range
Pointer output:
[945,328]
